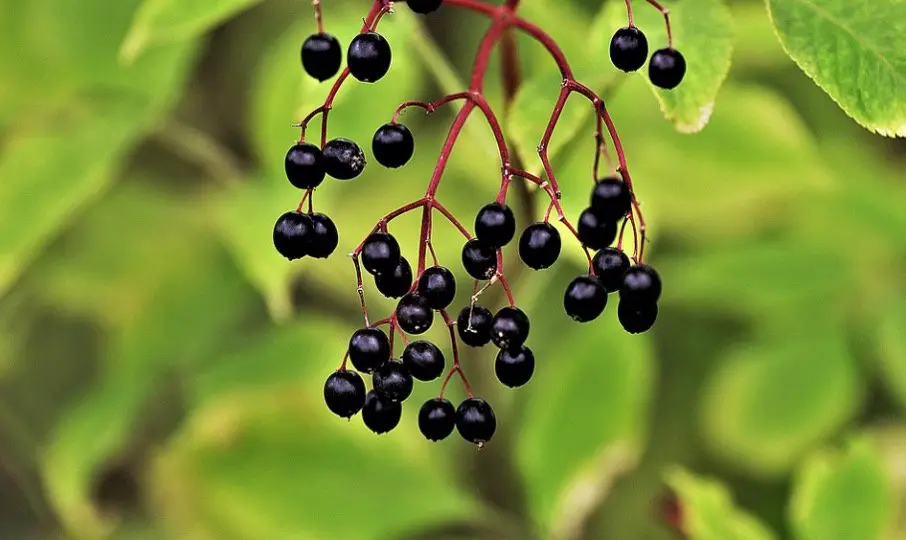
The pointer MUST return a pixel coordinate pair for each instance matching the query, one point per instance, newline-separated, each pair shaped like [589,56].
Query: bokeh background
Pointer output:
[161,367]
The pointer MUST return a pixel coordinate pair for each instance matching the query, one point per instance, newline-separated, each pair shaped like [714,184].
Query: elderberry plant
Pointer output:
[613,210]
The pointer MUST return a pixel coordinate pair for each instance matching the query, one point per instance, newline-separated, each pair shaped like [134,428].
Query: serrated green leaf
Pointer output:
[569,466]
[856,53]
[702,32]
[709,513]
[772,401]
[167,21]
[843,495]
[275,466]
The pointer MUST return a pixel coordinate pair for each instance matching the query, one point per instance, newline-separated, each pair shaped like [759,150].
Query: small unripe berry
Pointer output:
[293,234]
[321,56]
[380,414]
[393,145]
[474,325]
[495,225]
[539,245]
[585,298]
[475,421]
[479,259]
[344,393]
[368,57]
[304,165]
[343,159]
[413,314]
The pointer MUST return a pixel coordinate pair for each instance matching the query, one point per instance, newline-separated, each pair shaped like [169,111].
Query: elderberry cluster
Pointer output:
[629,50]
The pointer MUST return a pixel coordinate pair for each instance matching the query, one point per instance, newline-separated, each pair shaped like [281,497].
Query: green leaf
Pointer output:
[167,21]
[857,56]
[569,465]
[273,465]
[772,401]
[843,495]
[702,32]
[708,511]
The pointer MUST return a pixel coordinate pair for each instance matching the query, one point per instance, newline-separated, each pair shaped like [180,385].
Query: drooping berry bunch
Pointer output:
[424,291]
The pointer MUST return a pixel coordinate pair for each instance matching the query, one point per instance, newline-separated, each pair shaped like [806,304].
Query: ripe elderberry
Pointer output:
[495,225]
[610,265]
[628,49]
[514,367]
[438,286]
[474,325]
[343,159]
[324,238]
[368,57]
[304,165]
[380,414]
[641,285]
[397,282]
[585,298]
[594,231]
[436,419]
[666,68]
[611,199]
[392,381]
[344,393]
[539,245]
[380,253]
[424,6]
[413,314]
[479,259]
[368,349]
[393,145]
[293,235]
[321,56]
[475,421]
[509,328]
[636,318]
[424,360]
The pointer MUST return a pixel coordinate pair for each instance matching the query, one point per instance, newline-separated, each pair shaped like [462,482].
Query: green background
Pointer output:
[161,367]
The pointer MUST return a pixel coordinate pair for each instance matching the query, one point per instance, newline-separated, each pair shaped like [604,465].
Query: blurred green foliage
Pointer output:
[161,367]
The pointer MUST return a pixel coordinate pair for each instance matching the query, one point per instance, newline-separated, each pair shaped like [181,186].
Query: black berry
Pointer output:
[611,199]
[392,145]
[293,235]
[474,325]
[436,419]
[369,348]
[392,381]
[344,393]
[475,421]
[610,264]
[628,49]
[380,253]
[514,367]
[368,57]
[641,285]
[397,282]
[413,314]
[666,68]
[325,237]
[343,159]
[479,259]
[637,317]
[321,56]
[304,165]
[380,414]
[424,6]
[585,298]
[495,225]
[509,328]
[539,245]
[438,286]
[423,360]
[594,231]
